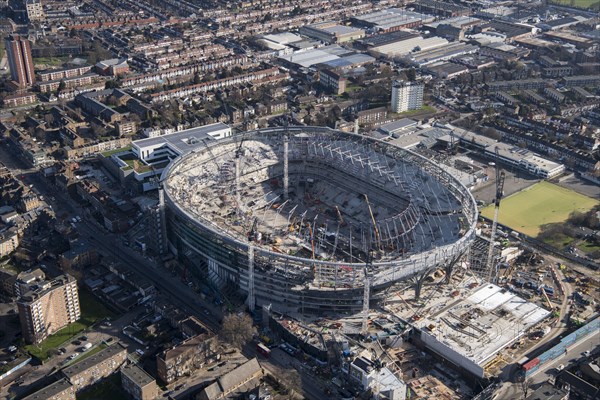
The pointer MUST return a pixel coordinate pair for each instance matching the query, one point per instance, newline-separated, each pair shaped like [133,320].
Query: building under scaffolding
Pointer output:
[295,217]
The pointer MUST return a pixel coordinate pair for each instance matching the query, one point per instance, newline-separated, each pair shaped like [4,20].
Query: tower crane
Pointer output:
[490,267]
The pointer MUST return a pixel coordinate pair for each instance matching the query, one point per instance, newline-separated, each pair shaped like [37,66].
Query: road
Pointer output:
[548,370]
[281,366]
[509,388]
[111,247]
[101,332]
[182,296]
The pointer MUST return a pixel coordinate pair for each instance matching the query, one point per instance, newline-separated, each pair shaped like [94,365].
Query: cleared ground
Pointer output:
[542,203]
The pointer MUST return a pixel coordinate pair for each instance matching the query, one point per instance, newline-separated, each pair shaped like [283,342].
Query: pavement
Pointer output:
[548,371]
[112,248]
[281,365]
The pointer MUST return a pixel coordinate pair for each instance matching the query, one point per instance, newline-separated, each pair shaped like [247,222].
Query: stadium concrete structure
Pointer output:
[313,220]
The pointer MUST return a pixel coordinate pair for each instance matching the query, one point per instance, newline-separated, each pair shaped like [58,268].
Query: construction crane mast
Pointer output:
[490,267]
[366,295]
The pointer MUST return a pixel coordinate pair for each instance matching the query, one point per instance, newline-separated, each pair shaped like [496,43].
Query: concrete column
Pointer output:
[251,300]
[286,181]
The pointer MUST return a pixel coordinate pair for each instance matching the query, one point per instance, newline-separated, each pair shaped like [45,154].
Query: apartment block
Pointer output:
[184,358]
[333,81]
[98,366]
[66,73]
[19,99]
[35,10]
[59,390]
[9,241]
[407,96]
[18,50]
[48,307]
[138,383]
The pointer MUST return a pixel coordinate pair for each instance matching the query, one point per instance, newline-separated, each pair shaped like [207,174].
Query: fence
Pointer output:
[534,364]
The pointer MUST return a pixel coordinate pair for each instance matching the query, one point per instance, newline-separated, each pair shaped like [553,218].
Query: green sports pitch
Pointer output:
[584,4]
[537,205]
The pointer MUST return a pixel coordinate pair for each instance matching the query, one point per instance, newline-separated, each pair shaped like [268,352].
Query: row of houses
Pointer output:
[266,76]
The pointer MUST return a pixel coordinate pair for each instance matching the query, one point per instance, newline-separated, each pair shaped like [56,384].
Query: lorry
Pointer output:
[86,347]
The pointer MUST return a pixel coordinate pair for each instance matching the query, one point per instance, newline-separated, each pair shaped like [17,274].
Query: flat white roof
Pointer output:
[282,38]
[403,47]
[542,163]
[480,325]
[312,57]
[184,141]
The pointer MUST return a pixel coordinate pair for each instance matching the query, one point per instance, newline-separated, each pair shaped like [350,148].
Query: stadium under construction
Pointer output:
[313,220]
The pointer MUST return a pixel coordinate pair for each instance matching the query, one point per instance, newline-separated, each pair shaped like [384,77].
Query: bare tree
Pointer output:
[292,380]
[525,385]
[237,329]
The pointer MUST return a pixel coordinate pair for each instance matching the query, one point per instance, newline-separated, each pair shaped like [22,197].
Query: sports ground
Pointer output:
[537,205]
[585,4]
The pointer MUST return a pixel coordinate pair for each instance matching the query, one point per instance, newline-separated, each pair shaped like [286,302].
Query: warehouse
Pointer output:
[392,19]
[402,48]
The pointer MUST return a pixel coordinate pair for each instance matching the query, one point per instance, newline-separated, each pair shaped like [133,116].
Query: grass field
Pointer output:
[591,4]
[50,61]
[542,203]
[91,312]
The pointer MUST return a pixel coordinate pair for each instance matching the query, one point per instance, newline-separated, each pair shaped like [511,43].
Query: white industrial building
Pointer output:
[507,153]
[407,96]
[402,48]
[149,157]
[175,144]
[470,332]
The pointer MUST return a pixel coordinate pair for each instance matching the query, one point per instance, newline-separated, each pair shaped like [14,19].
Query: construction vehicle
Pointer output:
[492,273]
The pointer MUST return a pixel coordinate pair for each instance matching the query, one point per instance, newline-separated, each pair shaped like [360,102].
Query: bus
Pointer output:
[264,350]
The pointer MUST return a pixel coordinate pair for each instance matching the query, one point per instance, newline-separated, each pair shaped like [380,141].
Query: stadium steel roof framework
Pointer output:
[305,214]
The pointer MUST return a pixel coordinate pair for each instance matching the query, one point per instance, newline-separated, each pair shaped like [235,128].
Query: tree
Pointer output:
[61,86]
[49,118]
[112,84]
[237,329]
[292,380]
[525,384]
[98,129]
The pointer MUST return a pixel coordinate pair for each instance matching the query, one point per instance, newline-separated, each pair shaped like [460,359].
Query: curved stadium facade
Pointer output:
[302,217]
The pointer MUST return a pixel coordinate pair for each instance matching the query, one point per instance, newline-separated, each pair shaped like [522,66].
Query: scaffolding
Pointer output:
[297,194]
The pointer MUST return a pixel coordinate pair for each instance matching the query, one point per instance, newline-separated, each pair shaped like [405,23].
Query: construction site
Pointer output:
[312,220]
